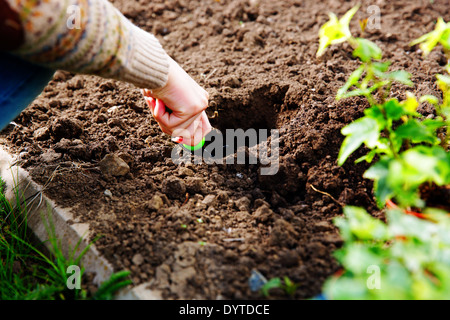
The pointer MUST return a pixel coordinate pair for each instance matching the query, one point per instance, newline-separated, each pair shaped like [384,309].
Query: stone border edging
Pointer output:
[69,234]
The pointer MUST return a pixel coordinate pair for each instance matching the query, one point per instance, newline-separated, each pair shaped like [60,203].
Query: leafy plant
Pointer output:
[407,258]
[411,150]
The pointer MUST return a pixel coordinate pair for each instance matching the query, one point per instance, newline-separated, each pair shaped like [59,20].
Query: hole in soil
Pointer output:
[259,110]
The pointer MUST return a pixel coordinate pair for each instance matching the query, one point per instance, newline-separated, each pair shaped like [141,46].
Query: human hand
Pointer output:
[179,106]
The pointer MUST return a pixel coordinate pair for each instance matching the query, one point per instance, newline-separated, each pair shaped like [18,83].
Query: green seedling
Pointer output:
[411,150]
[286,285]
[406,258]
[440,35]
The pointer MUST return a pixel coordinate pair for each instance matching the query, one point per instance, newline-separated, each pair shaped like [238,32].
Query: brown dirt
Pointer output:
[257,60]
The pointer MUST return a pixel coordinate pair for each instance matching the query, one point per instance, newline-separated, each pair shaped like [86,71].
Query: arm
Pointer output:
[93,37]
[89,37]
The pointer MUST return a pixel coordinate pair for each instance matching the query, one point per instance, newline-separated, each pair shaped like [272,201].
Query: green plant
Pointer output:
[286,285]
[411,150]
[407,258]
[27,273]
[116,282]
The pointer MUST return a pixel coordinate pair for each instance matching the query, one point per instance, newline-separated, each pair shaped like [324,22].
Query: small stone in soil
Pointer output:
[195,185]
[155,203]
[114,166]
[42,134]
[209,200]
[128,158]
[183,172]
[137,259]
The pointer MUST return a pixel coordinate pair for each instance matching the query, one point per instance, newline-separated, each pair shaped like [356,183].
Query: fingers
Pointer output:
[151,104]
[187,102]
[206,124]
[192,130]
[193,134]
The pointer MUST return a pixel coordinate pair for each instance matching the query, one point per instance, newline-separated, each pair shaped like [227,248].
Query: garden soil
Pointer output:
[197,231]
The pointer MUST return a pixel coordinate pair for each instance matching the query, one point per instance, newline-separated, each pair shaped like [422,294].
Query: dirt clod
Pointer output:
[174,187]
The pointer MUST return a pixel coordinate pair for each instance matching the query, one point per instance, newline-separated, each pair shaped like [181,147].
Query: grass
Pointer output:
[27,273]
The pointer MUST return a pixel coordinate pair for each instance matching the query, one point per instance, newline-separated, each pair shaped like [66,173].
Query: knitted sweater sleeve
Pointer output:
[90,37]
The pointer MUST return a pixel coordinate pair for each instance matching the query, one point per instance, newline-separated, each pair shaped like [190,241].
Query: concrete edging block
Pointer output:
[41,208]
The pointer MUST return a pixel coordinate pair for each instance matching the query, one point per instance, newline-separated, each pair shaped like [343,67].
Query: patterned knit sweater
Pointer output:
[89,37]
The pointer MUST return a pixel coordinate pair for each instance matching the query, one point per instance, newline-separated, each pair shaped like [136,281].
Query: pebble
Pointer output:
[42,134]
[209,200]
[108,193]
[183,172]
[322,226]
[128,158]
[66,128]
[113,165]
[155,203]
[137,259]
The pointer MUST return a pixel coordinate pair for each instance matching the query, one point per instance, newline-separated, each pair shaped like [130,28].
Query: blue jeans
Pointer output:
[20,83]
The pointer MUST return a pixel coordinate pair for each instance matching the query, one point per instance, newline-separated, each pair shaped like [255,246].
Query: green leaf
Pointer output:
[361,225]
[271,284]
[364,130]
[368,157]
[367,50]
[375,112]
[380,70]
[380,67]
[445,38]
[429,98]
[400,76]
[411,104]
[379,172]
[352,80]
[440,34]
[363,92]
[434,124]
[360,256]
[426,164]
[394,109]
[417,132]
